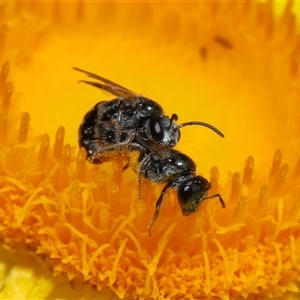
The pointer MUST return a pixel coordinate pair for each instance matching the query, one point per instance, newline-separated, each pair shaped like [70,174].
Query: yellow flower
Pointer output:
[234,65]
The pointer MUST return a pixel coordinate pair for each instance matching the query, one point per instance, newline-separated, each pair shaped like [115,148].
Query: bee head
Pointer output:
[163,130]
[191,192]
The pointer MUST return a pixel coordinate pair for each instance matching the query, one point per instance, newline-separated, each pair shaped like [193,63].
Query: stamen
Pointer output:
[229,272]
[295,210]
[241,208]
[115,264]
[43,151]
[280,180]
[3,32]
[152,267]
[118,167]
[102,186]
[286,13]
[248,171]
[10,158]
[288,22]
[207,268]
[61,177]
[236,187]
[294,254]
[203,53]
[3,75]
[263,196]
[7,93]
[24,126]
[277,160]
[294,67]
[214,179]
[59,142]
[80,164]
[278,267]
[105,217]
[80,11]
[57,12]
[296,173]
[3,127]
[66,154]
[140,215]
[78,198]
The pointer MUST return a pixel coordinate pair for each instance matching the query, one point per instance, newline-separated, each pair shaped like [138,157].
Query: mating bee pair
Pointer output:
[131,122]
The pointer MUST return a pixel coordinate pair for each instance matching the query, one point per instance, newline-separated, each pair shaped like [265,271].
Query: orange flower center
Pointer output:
[238,71]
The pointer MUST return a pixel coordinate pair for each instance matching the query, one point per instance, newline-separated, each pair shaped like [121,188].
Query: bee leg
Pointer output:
[147,146]
[127,143]
[157,208]
[129,140]
[140,184]
[215,196]
[98,157]
[143,161]
[98,154]
[119,126]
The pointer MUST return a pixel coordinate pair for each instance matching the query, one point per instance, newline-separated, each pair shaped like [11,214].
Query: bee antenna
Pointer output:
[174,117]
[213,128]
[216,196]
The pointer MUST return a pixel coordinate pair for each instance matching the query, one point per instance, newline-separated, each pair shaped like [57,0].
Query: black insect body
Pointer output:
[129,122]
[178,172]
[102,130]
[121,124]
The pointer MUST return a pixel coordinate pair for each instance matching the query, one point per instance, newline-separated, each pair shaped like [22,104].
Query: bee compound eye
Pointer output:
[185,194]
[156,130]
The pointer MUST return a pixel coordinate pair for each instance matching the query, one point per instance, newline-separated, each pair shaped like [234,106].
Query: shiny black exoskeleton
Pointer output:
[178,172]
[129,122]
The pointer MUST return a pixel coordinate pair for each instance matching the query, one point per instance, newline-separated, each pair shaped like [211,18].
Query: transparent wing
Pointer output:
[107,85]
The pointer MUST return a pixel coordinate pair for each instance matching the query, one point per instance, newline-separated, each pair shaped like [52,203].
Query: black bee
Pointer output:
[129,122]
[178,171]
